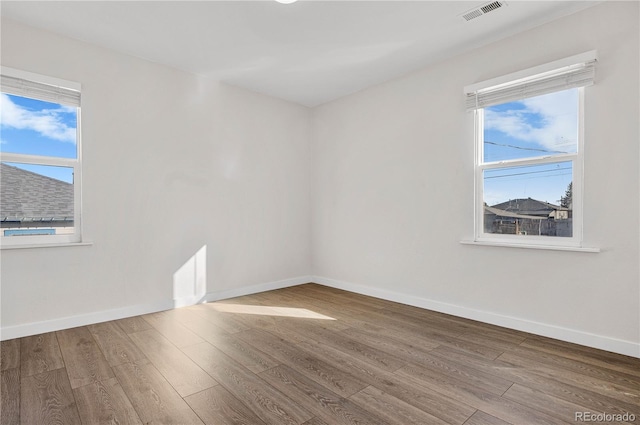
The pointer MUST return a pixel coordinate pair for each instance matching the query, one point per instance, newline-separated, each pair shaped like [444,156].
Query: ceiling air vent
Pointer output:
[482,10]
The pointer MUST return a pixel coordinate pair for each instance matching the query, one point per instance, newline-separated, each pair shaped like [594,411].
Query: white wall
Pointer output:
[171,163]
[393,192]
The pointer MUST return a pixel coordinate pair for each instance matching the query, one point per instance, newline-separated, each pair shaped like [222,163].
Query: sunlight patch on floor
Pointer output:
[268,311]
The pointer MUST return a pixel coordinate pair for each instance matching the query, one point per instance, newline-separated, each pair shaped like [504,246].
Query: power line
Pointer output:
[528,172]
[522,147]
[538,177]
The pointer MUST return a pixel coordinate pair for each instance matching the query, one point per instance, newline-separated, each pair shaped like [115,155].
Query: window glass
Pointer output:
[36,199]
[534,127]
[529,200]
[36,127]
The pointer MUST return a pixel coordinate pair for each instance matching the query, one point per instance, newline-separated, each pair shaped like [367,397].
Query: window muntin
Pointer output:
[63,174]
[40,160]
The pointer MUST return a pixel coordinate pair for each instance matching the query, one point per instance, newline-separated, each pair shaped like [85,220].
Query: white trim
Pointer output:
[34,328]
[530,246]
[187,301]
[40,87]
[45,245]
[44,79]
[540,69]
[77,180]
[55,161]
[254,289]
[524,162]
[628,348]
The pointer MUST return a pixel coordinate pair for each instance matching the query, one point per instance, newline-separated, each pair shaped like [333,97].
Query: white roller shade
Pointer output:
[577,74]
[41,91]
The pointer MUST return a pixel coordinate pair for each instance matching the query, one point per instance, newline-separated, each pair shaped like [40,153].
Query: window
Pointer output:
[529,154]
[39,160]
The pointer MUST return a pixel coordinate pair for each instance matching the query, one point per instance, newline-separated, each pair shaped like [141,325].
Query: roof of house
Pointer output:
[528,206]
[503,213]
[28,196]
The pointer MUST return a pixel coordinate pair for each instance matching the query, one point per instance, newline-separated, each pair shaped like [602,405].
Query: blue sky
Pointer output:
[35,127]
[538,126]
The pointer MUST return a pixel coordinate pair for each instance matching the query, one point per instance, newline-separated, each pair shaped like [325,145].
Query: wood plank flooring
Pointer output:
[308,355]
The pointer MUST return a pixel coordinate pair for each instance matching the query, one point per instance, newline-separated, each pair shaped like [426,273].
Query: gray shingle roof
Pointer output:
[27,196]
[503,213]
[528,206]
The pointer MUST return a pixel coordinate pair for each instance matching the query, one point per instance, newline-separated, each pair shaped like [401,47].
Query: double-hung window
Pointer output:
[529,154]
[40,164]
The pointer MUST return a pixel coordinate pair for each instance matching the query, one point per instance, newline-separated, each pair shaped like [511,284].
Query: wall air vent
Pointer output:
[491,7]
[483,10]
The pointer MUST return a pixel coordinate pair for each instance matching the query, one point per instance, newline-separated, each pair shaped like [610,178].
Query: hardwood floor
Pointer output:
[309,355]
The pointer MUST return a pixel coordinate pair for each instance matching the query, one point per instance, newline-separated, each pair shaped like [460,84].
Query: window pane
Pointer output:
[533,127]
[36,199]
[35,127]
[530,200]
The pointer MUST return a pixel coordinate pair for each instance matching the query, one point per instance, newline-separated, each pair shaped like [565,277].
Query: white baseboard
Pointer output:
[628,348]
[35,328]
[254,289]
[614,345]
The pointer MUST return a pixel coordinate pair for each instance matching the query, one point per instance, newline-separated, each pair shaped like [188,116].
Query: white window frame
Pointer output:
[520,81]
[54,90]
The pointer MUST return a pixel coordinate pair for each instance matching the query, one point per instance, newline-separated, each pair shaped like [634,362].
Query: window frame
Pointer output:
[576,159]
[24,241]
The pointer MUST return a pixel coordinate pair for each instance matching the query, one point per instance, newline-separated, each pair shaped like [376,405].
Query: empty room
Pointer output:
[320,212]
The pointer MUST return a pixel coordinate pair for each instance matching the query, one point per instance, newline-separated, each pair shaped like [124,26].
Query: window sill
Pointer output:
[45,245]
[530,246]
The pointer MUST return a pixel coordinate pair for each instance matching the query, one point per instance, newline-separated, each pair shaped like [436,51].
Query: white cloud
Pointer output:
[550,120]
[47,122]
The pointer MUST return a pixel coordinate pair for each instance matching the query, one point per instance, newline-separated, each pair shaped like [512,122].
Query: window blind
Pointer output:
[40,91]
[564,78]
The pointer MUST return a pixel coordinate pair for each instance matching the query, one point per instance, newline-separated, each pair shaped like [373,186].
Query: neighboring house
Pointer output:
[31,203]
[528,216]
[528,206]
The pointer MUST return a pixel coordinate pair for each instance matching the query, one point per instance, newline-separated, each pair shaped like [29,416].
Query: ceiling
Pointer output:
[309,52]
